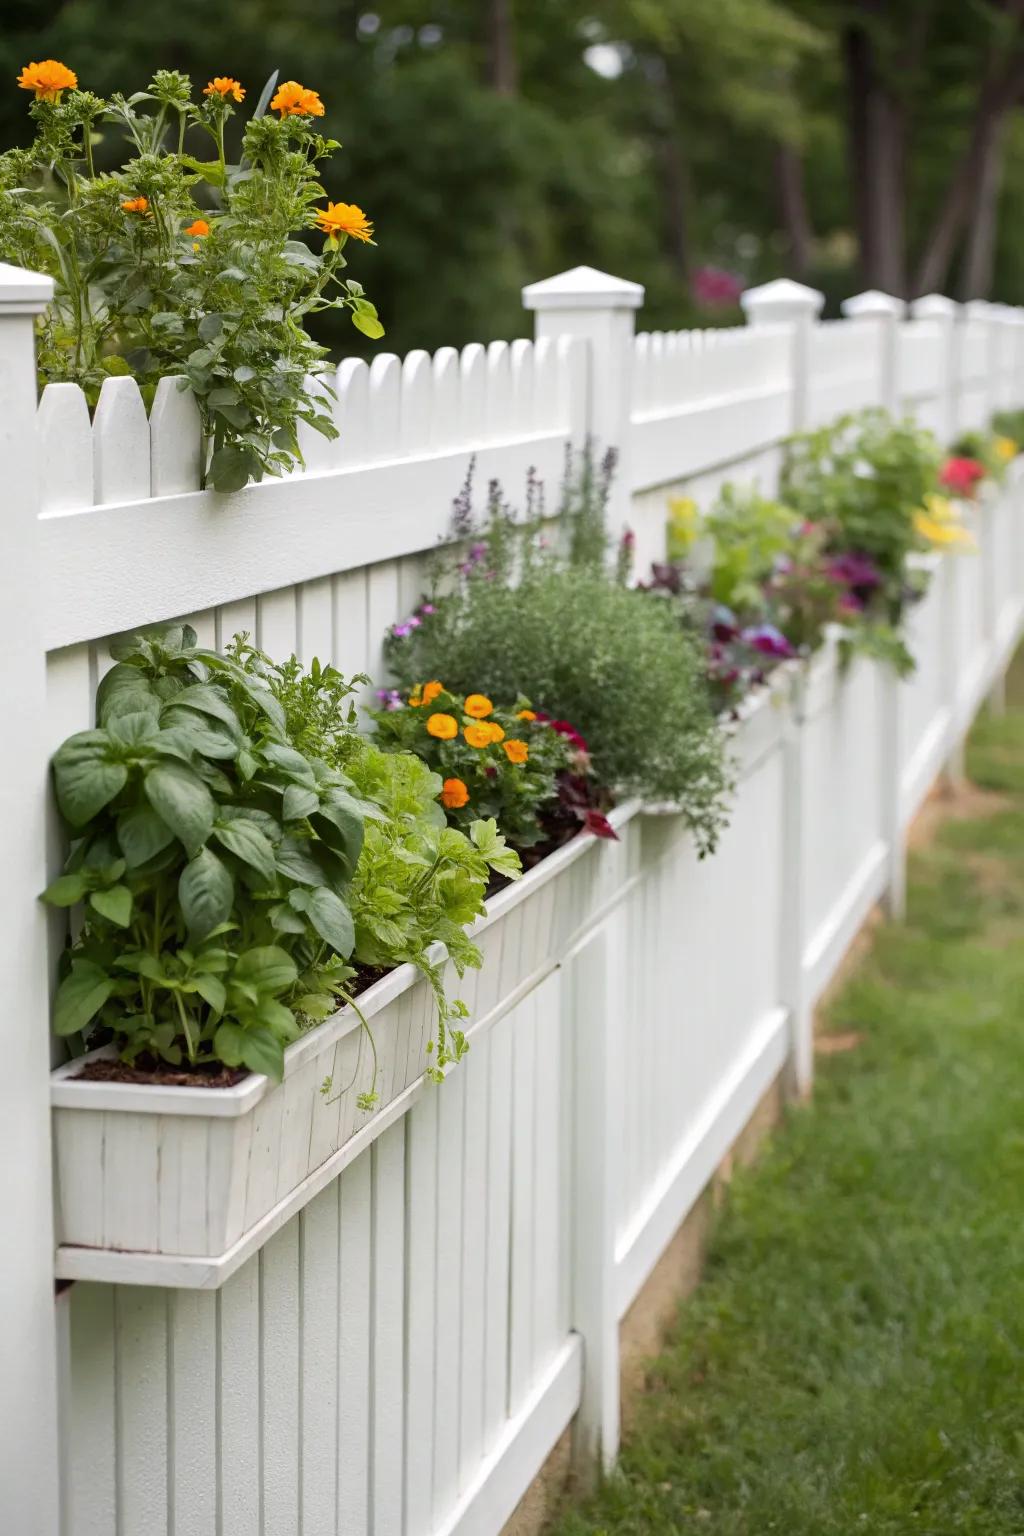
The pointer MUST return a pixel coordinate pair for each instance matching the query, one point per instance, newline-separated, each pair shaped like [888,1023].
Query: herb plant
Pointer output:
[582,645]
[184,262]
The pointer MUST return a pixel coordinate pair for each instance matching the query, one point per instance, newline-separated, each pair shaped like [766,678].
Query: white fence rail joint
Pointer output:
[423,1301]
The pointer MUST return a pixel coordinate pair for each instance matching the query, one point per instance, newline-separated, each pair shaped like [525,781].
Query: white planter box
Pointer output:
[178,1186]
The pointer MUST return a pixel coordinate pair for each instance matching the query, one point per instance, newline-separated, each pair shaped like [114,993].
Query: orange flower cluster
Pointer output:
[47,79]
[135,205]
[454,794]
[225,87]
[198,228]
[339,219]
[293,100]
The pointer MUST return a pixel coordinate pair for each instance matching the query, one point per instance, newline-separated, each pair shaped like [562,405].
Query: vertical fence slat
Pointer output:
[352,411]
[524,1045]
[175,440]
[91,1454]
[446,429]
[385,407]
[416,416]
[280,1322]
[498,404]
[424,1188]
[120,434]
[448,1292]
[319,453]
[474,1257]
[65,449]
[141,1355]
[193,1408]
[318,1377]
[354,1326]
[388,1334]
[473,391]
[315,621]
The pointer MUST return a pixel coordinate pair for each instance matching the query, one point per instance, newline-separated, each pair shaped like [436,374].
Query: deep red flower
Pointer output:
[961,476]
[597,823]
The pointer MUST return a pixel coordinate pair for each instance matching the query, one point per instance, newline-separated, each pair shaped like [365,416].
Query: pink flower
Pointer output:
[961,476]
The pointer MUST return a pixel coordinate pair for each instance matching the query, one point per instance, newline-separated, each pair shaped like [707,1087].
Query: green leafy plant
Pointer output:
[187,265]
[750,535]
[419,882]
[214,860]
[581,644]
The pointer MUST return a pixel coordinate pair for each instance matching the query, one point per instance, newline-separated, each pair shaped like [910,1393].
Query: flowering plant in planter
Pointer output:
[564,629]
[182,262]
[528,772]
[939,523]
[233,877]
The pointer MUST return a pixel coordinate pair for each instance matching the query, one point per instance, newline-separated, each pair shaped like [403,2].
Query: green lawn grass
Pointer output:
[854,1360]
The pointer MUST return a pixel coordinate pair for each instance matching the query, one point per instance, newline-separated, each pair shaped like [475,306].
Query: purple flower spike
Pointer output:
[402,631]
[427,608]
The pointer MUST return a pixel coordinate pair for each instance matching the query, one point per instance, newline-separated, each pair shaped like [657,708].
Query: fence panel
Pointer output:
[403,1353]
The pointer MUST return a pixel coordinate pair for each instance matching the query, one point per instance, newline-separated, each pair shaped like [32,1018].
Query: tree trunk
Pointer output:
[980,160]
[877,130]
[502,65]
[789,175]
[979,260]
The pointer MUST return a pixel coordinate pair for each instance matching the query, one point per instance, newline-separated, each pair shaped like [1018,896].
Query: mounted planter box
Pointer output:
[178,1186]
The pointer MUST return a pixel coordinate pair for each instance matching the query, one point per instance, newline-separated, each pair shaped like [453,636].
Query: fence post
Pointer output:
[883,313]
[935,306]
[600,310]
[787,303]
[28,1392]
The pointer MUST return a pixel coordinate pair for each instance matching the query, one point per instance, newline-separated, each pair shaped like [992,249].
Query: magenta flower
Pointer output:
[769,641]
[854,570]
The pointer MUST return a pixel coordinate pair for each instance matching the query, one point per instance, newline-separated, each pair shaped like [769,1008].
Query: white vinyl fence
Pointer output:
[408,1317]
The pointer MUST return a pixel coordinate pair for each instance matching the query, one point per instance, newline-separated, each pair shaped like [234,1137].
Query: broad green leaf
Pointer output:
[231,468]
[228,1042]
[245,840]
[141,835]
[299,802]
[85,779]
[341,825]
[284,920]
[209,700]
[268,968]
[262,1052]
[290,762]
[332,921]
[115,904]
[369,325]
[80,997]
[195,734]
[182,800]
[278,1018]
[66,890]
[295,861]
[131,727]
[124,690]
[212,990]
[205,891]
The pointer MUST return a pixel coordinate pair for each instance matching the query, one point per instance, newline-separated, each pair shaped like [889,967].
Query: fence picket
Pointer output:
[121,447]
[65,449]
[175,440]
[385,407]
[352,411]
[447,431]
[416,417]
[498,404]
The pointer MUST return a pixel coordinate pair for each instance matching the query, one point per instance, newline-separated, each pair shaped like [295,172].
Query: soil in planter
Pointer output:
[213,1074]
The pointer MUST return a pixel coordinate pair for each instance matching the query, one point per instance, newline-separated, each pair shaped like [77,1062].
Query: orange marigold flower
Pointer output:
[497,734]
[47,79]
[478,705]
[198,227]
[526,714]
[135,205]
[516,751]
[293,100]
[431,691]
[344,219]
[478,735]
[454,794]
[444,727]
[223,85]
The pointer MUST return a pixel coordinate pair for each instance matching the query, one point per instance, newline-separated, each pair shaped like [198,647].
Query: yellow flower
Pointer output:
[516,751]
[344,219]
[526,714]
[223,85]
[946,532]
[478,705]
[478,735]
[1006,448]
[431,691]
[293,100]
[135,205]
[47,79]
[683,525]
[198,227]
[444,727]
[497,734]
[454,794]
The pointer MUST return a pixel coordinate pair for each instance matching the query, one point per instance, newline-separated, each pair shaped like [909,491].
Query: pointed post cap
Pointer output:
[873,305]
[583,288]
[934,306]
[781,301]
[22,292]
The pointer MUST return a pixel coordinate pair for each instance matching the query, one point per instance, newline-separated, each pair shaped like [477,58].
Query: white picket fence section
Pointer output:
[401,1355]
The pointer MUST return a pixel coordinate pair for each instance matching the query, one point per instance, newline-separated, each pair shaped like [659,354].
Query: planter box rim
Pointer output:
[68,1091]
